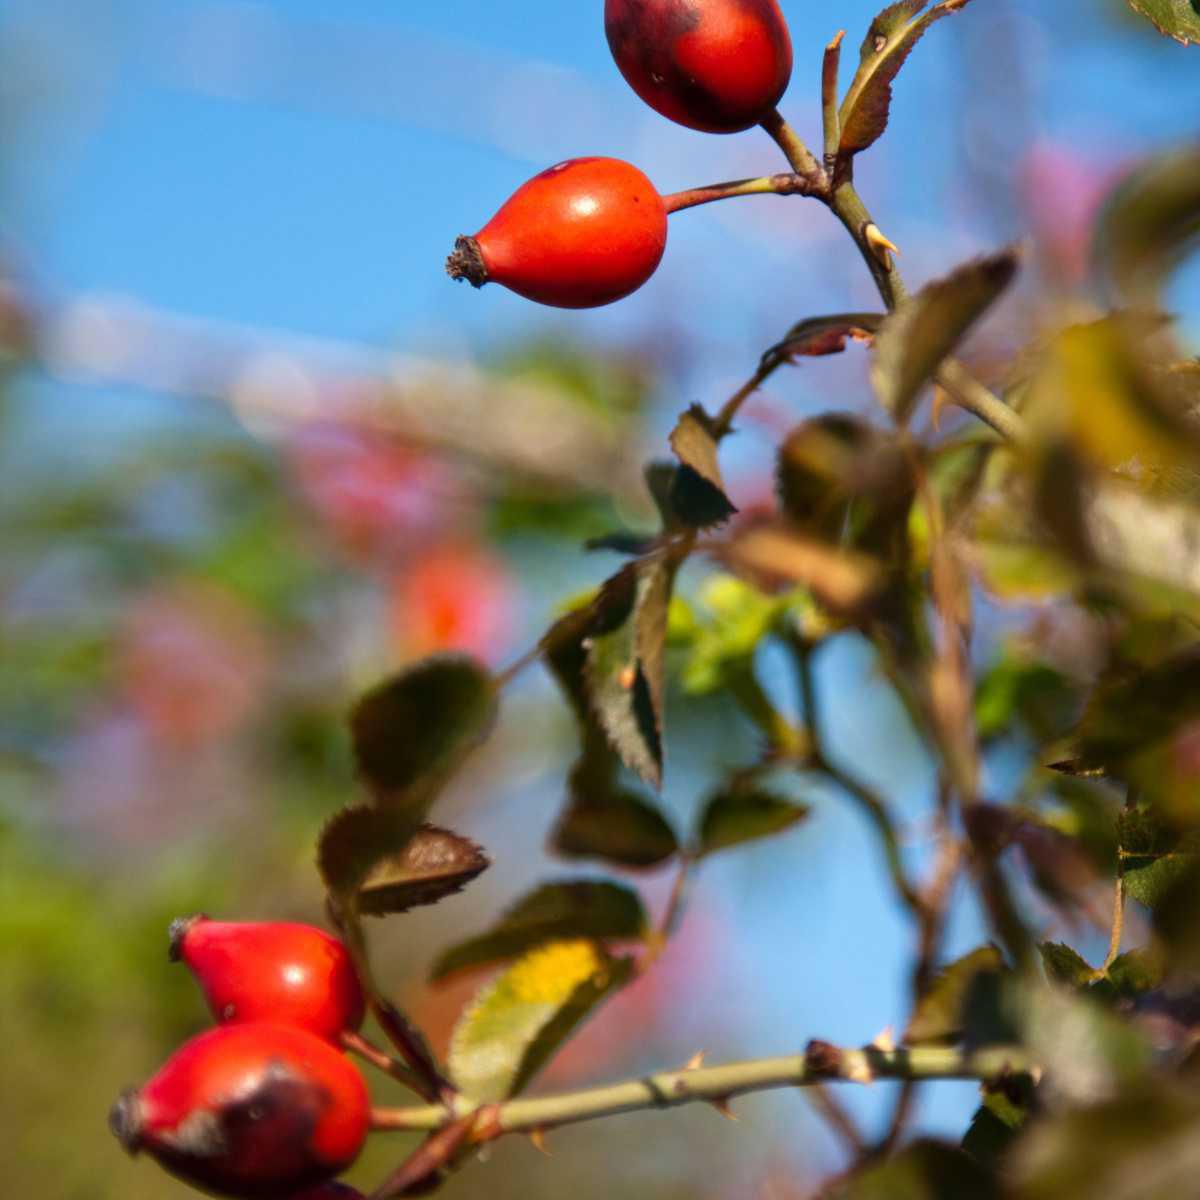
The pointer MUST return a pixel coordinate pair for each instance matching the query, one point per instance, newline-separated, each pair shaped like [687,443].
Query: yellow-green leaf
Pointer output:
[1178,19]
[889,42]
[518,1021]
[587,908]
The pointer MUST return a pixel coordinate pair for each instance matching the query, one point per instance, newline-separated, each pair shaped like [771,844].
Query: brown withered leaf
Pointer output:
[819,336]
[434,864]
[845,581]
[912,341]
[697,491]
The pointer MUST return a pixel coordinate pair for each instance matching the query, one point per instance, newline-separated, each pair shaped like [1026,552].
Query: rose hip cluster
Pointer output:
[266,1104]
[591,230]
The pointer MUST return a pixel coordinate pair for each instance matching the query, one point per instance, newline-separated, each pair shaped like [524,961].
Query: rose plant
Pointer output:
[1068,497]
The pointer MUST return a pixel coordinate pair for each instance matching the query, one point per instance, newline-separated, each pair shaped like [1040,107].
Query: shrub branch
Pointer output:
[820,1063]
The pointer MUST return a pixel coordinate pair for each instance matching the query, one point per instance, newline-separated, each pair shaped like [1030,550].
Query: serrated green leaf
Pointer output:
[847,582]
[1176,921]
[610,823]
[735,617]
[926,1170]
[553,912]
[940,1013]
[1132,974]
[1099,388]
[355,841]
[434,864]
[517,1022]
[1178,19]
[1153,856]
[1150,221]
[1142,1145]
[412,729]
[1064,965]
[602,819]
[1085,1049]
[889,42]
[914,339]
[1017,691]
[847,483]
[697,491]
[987,1139]
[1006,1107]
[816,470]
[732,818]
[624,672]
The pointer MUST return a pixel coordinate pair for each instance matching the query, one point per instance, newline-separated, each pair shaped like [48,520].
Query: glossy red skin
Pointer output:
[277,971]
[715,65]
[583,233]
[253,1110]
[329,1191]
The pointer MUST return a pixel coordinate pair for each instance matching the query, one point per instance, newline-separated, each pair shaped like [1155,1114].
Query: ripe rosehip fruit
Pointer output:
[271,971]
[715,65]
[583,233]
[249,1110]
[329,1191]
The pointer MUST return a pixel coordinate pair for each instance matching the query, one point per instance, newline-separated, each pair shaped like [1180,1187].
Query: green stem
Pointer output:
[831,118]
[874,808]
[668,1089]
[784,739]
[840,195]
[796,152]
[1118,922]
[849,208]
[969,394]
[723,421]
[766,185]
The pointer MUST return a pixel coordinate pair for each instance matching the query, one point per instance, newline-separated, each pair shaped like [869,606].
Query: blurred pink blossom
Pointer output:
[375,494]
[1062,190]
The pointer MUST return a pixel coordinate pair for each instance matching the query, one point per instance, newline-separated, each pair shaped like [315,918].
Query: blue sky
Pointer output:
[305,166]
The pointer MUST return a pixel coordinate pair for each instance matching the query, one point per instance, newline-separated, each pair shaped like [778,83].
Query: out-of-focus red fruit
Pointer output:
[714,65]
[583,233]
[329,1191]
[249,1111]
[275,971]
[457,597]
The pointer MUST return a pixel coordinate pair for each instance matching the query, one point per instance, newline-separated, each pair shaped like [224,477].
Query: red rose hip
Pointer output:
[271,971]
[329,1191]
[583,233]
[715,65]
[249,1110]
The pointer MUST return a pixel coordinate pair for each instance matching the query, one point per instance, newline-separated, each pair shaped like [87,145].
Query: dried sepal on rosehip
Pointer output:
[249,1110]
[719,66]
[277,971]
[583,233]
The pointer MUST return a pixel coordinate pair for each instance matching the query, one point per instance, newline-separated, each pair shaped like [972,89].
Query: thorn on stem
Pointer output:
[696,1061]
[538,1139]
[881,247]
[722,1106]
[885,1040]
